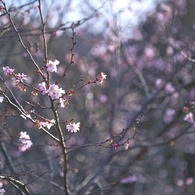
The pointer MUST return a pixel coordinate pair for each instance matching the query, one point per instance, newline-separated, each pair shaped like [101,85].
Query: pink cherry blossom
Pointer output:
[189,181]
[8,71]
[55,92]
[42,87]
[52,66]
[25,142]
[73,127]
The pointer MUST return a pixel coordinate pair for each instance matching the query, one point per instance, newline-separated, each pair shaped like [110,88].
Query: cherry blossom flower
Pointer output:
[169,115]
[52,66]
[42,87]
[100,78]
[20,77]
[62,102]
[48,123]
[25,142]
[8,71]
[73,127]
[189,118]
[55,92]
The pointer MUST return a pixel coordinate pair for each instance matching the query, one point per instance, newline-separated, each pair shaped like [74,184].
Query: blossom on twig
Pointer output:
[100,78]
[189,118]
[25,142]
[55,92]
[52,66]
[8,71]
[48,123]
[42,87]
[73,127]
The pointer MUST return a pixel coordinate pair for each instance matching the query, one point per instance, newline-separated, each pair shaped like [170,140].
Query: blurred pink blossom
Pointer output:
[180,182]
[169,88]
[129,179]
[114,146]
[2,191]
[169,115]
[189,181]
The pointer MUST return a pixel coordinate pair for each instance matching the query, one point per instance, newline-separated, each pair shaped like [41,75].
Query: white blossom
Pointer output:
[73,127]
[25,142]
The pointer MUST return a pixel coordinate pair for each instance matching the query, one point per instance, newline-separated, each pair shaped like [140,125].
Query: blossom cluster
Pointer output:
[17,78]
[54,92]
[25,142]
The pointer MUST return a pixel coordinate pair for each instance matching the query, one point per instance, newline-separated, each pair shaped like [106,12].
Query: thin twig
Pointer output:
[22,43]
